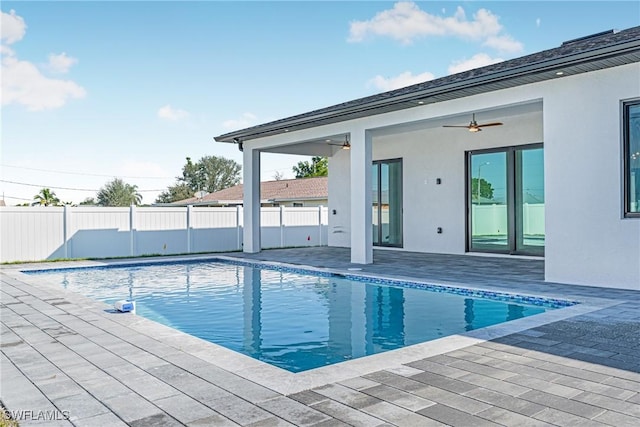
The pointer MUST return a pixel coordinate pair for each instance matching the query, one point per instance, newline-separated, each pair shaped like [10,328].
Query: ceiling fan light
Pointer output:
[474,129]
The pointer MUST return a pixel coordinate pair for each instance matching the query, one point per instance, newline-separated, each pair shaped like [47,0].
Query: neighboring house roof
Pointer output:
[595,52]
[270,192]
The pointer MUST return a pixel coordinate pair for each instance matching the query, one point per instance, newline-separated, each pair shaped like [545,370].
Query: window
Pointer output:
[505,196]
[631,117]
[387,202]
[297,205]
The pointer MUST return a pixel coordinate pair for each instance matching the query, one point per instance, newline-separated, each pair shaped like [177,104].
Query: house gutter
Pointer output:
[342,114]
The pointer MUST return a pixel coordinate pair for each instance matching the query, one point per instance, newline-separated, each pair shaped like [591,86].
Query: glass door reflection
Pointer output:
[530,201]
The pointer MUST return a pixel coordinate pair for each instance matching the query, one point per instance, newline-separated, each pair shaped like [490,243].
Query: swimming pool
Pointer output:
[292,318]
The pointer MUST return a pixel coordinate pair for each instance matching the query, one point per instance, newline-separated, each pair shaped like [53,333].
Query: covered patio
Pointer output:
[64,352]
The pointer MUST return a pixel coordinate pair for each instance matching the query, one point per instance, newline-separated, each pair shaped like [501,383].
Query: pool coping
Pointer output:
[278,379]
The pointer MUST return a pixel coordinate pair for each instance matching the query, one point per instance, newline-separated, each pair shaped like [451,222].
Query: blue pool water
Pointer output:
[292,319]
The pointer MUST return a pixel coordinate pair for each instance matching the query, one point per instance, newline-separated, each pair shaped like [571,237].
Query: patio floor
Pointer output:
[66,356]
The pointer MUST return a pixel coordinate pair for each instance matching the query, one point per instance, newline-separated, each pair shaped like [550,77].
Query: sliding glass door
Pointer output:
[387,202]
[529,201]
[506,200]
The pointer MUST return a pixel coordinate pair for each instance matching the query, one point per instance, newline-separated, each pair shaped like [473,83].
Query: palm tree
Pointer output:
[45,197]
[119,193]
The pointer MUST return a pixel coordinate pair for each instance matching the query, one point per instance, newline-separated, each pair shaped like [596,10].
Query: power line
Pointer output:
[64,188]
[17,198]
[287,169]
[86,174]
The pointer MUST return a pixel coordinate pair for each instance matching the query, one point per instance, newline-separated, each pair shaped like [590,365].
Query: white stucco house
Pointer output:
[551,170]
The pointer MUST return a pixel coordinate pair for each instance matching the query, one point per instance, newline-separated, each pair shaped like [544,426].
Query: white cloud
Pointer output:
[6,50]
[401,80]
[61,63]
[245,121]
[538,22]
[22,83]
[476,61]
[406,22]
[172,114]
[12,27]
[504,44]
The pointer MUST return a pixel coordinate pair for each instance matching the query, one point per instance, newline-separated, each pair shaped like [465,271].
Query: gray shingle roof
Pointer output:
[277,191]
[602,50]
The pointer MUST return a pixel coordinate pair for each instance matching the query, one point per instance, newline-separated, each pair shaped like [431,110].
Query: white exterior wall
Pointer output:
[588,240]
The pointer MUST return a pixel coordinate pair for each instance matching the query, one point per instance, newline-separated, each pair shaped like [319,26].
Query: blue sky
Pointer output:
[96,90]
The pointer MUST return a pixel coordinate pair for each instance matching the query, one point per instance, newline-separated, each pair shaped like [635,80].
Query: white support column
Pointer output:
[361,187]
[251,180]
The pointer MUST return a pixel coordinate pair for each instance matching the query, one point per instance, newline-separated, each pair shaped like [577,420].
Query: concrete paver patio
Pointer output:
[66,356]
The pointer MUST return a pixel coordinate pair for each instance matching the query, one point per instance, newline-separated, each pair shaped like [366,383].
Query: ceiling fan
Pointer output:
[473,126]
[345,145]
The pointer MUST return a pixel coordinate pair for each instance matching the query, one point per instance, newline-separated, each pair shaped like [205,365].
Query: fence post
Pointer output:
[189,212]
[238,228]
[65,230]
[282,226]
[320,225]
[132,230]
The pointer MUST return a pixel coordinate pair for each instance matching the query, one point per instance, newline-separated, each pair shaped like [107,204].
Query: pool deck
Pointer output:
[64,355]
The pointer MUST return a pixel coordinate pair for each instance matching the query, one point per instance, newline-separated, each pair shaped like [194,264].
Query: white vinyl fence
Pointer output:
[41,233]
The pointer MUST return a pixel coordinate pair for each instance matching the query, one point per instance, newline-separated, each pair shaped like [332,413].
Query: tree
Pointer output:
[486,190]
[174,193]
[319,166]
[277,176]
[119,193]
[89,201]
[210,174]
[46,197]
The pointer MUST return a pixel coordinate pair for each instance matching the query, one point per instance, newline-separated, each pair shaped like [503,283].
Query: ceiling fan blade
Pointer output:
[489,124]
